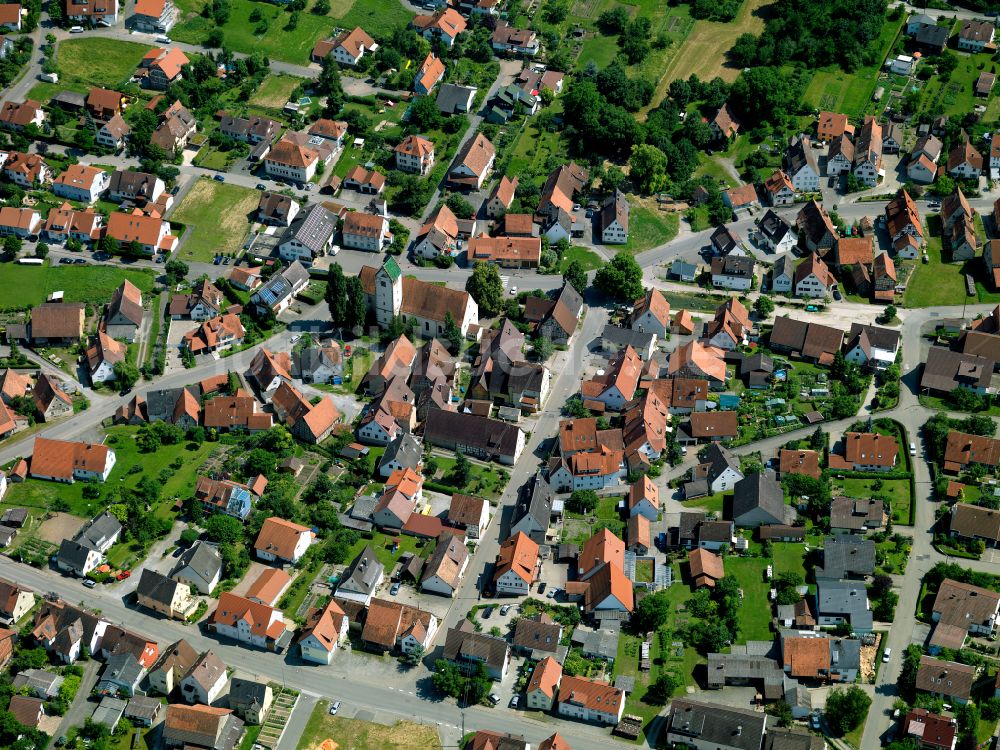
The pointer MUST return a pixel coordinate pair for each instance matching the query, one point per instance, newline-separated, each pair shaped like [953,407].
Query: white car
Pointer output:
[513,291]
[913,448]
[76,30]
[886,654]
[295,338]
[334,707]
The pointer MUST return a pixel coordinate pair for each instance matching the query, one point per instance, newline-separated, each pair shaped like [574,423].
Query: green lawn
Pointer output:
[95,61]
[217,217]
[935,283]
[354,734]
[956,95]
[897,490]
[381,545]
[485,482]
[710,503]
[535,145]
[275,91]
[711,167]
[649,228]
[377,17]
[27,286]
[588,258]
[755,611]
[788,557]
[35,493]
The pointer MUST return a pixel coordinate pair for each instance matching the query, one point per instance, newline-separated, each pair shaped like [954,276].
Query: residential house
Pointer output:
[252,130]
[705,568]
[15,602]
[471,514]
[485,438]
[393,626]
[17,116]
[453,98]
[205,680]
[215,335]
[472,164]
[556,320]
[590,700]
[161,68]
[467,649]
[725,125]
[779,189]
[20,222]
[176,127]
[347,48]
[830,125]
[360,179]
[961,610]
[840,158]
[429,74]
[80,182]
[506,252]
[153,16]
[200,567]
[444,25]
[840,602]
[975,35]
[415,154]
[361,578]
[282,541]
[501,197]
[776,234]
[310,234]
[867,165]
[851,515]
[201,727]
[710,426]
[964,161]
[149,232]
[276,209]
[324,629]
[445,567]
[711,726]
[741,199]
[975,522]
[543,686]
[249,623]
[697,361]
[733,272]
[617,386]
[871,346]
[123,317]
[946,680]
[810,341]
[103,104]
[614,220]
[26,170]
[228,496]
[290,161]
[813,278]
[945,370]
[62,461]
[930,731]
[277,292]
[250,699]
[815,228]
[801,461]
[758,500]
[101,13]
[847,556]
[783,273]
[517,565]
[138,187]
[514,41]
[801,166]
[922,164]
[165,595]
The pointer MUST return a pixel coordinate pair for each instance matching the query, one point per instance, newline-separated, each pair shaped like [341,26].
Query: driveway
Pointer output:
[80,709]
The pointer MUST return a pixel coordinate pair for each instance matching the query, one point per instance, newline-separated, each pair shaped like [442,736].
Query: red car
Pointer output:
[123,575]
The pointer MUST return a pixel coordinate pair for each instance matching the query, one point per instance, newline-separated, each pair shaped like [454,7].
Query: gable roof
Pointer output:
[279,537]
[759,491]
[518,555]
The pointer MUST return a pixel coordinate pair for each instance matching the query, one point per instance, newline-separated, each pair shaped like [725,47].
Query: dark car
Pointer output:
[65,261]
[261,186]
[837,295]
[178,552]
[488,612]
[541,587]
[219,178]
[175,189]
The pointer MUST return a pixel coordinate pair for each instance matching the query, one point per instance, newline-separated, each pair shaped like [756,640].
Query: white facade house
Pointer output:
[590,700]
[81,183]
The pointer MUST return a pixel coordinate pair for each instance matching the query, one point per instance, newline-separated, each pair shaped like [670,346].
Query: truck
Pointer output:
[49,77]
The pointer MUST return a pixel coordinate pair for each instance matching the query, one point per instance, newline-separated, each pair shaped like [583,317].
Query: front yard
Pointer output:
[897,490]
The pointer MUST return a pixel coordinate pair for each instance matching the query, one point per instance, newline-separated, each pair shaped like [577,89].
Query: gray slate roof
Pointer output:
[362,575]
[405,450]
[203,558]
[715,724]
[638,340]
[99,531]
[849,599]
[847,555]
[760,491]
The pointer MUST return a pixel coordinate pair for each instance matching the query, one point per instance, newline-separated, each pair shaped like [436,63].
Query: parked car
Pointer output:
[394,589]
[504,609]
[334,707]
[913,448]
[488,612]
[261,186]
[541,587]
[837,295]
[494,699]
[886,654]
[90,583]
[76,29]
[812,308]
[513,291]
[515,700]
[65,261]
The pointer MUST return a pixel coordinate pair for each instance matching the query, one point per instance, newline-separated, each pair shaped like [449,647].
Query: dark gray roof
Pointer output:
[14,517]
[880,338]
[313,228]
[143,708]
[363,574]
[491,436]
[845,653]
[759,362]
[638,340]
[799,155]
[297,273]
[161,402]
[759,491]
[464,644]
[715,724]
[945,370]
[783,739]
[602,642]
[245,693]
[783,266]
[39,682]
[451,95]
[847,555]
[536,502]
[203,558]
[156,586]
[99,531]
[724,239]
[135,183]
[932,36]
[774,227]
[72,554]
[856,514]
[696,488]
[848,599]
[405,450]
[719,459]
[683,268]
[69,100]
[123,668]
[742,666]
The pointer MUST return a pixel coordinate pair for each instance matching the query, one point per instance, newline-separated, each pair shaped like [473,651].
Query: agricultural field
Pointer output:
[217,218]
[377,17]
[27,286]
